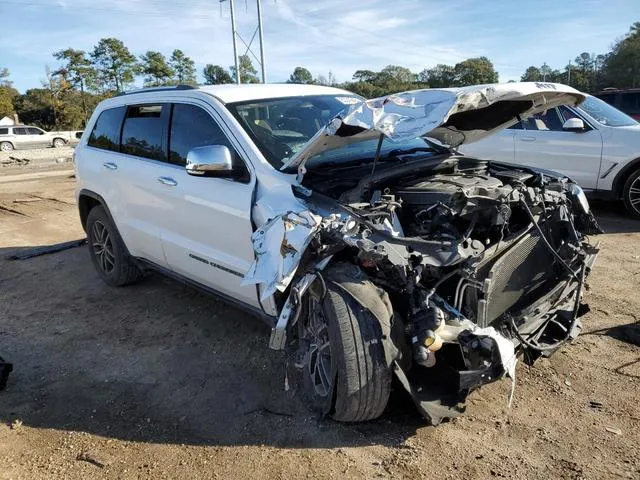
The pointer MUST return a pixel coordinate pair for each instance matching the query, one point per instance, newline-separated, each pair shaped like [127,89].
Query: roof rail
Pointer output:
[158,89]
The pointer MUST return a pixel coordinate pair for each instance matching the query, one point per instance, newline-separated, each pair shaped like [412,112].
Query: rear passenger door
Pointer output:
[141,163]
[124,175]
[21,137]
[207,227]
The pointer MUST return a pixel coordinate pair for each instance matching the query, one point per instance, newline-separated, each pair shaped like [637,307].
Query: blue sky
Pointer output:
[322,35]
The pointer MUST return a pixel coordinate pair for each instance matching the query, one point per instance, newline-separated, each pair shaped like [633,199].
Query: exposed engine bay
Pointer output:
[481,263]
[456,266]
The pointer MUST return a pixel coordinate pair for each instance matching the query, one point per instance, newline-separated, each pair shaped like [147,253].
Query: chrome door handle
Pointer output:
[167,181]
[110,165]
[528,139]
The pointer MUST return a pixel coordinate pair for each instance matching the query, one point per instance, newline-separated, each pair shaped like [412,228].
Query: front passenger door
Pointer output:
[38,137]
[541,142]
[207,233]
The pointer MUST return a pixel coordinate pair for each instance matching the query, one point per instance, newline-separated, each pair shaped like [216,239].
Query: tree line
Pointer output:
[72,89]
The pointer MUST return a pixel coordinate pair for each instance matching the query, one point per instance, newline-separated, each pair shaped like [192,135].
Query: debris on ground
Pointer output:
[46,249]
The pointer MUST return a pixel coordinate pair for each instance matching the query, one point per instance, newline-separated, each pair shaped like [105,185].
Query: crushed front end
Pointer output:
[482,264]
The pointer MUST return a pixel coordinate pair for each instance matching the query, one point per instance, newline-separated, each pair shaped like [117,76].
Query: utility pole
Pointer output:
[235,47]
[236,35]
[262,63]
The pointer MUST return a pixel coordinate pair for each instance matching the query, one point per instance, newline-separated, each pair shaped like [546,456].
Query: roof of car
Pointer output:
[231,93]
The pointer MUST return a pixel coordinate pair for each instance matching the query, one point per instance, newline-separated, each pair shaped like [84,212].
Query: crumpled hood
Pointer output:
[450,116]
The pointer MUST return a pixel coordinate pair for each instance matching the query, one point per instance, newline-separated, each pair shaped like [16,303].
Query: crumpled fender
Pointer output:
[352,280]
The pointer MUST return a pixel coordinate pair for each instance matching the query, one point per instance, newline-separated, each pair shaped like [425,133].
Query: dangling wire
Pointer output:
[375,160]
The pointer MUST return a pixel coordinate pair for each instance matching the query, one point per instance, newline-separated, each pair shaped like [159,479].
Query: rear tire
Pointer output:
[631,194]
[360,380]
[108,252]
[6,147]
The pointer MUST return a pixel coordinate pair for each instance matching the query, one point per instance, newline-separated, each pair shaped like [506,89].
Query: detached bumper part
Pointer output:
[480,357]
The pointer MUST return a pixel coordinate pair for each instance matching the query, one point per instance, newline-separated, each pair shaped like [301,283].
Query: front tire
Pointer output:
[631,194]
[6,147]
[108,252]
[58,143]
[344,371]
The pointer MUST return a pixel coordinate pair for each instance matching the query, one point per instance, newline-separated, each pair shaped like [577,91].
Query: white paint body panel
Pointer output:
[591,158]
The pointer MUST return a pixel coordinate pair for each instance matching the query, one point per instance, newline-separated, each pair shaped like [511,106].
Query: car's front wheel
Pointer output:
[58,143]
[108,252]
[344,372]
[631,194]
[6,147]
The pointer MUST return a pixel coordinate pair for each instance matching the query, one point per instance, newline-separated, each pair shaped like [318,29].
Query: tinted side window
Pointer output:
[35,131]
[20,131]
[143,132]
[192,127]
[106,131]
[4,131]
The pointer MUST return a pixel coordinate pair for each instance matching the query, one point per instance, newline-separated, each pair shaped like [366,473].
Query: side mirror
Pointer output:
[210,161]
[573,125]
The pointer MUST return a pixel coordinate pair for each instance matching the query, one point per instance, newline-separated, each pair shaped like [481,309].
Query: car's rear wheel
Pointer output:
[58,143]
[108,252]
[344,372]
[631,194]
[6,147]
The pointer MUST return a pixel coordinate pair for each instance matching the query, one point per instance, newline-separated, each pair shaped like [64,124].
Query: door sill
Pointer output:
[256,312]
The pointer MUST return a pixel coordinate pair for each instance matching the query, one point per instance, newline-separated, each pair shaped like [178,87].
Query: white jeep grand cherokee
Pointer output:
[350,226]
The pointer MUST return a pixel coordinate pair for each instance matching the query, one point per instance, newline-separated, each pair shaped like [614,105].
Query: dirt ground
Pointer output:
[157,380]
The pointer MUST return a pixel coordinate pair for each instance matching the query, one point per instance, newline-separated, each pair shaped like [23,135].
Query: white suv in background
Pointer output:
[595,144]
[25,136]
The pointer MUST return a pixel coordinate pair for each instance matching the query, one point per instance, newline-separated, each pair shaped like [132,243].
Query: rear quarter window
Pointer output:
[4,131]
[106,131]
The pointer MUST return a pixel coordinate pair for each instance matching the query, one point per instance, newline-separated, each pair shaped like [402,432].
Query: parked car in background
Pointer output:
[595,144]
[25,136]
[626,100]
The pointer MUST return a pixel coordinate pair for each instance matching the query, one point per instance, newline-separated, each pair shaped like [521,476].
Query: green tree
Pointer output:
[367,76]
[154,65]
[35,107]
[215,75]
[78,71]
[395,74]
[7,94]
[300,75]
[6,102]
[475,71]
[622,65]
[115,64]
[184,68]
[248,73]
[440,76]
[531,74]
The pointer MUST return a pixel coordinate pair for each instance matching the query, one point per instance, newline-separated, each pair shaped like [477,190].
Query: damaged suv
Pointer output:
[353,227]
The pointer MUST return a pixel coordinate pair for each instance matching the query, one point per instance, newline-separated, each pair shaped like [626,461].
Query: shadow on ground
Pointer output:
[159,362]
[613,217]
[154,362]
